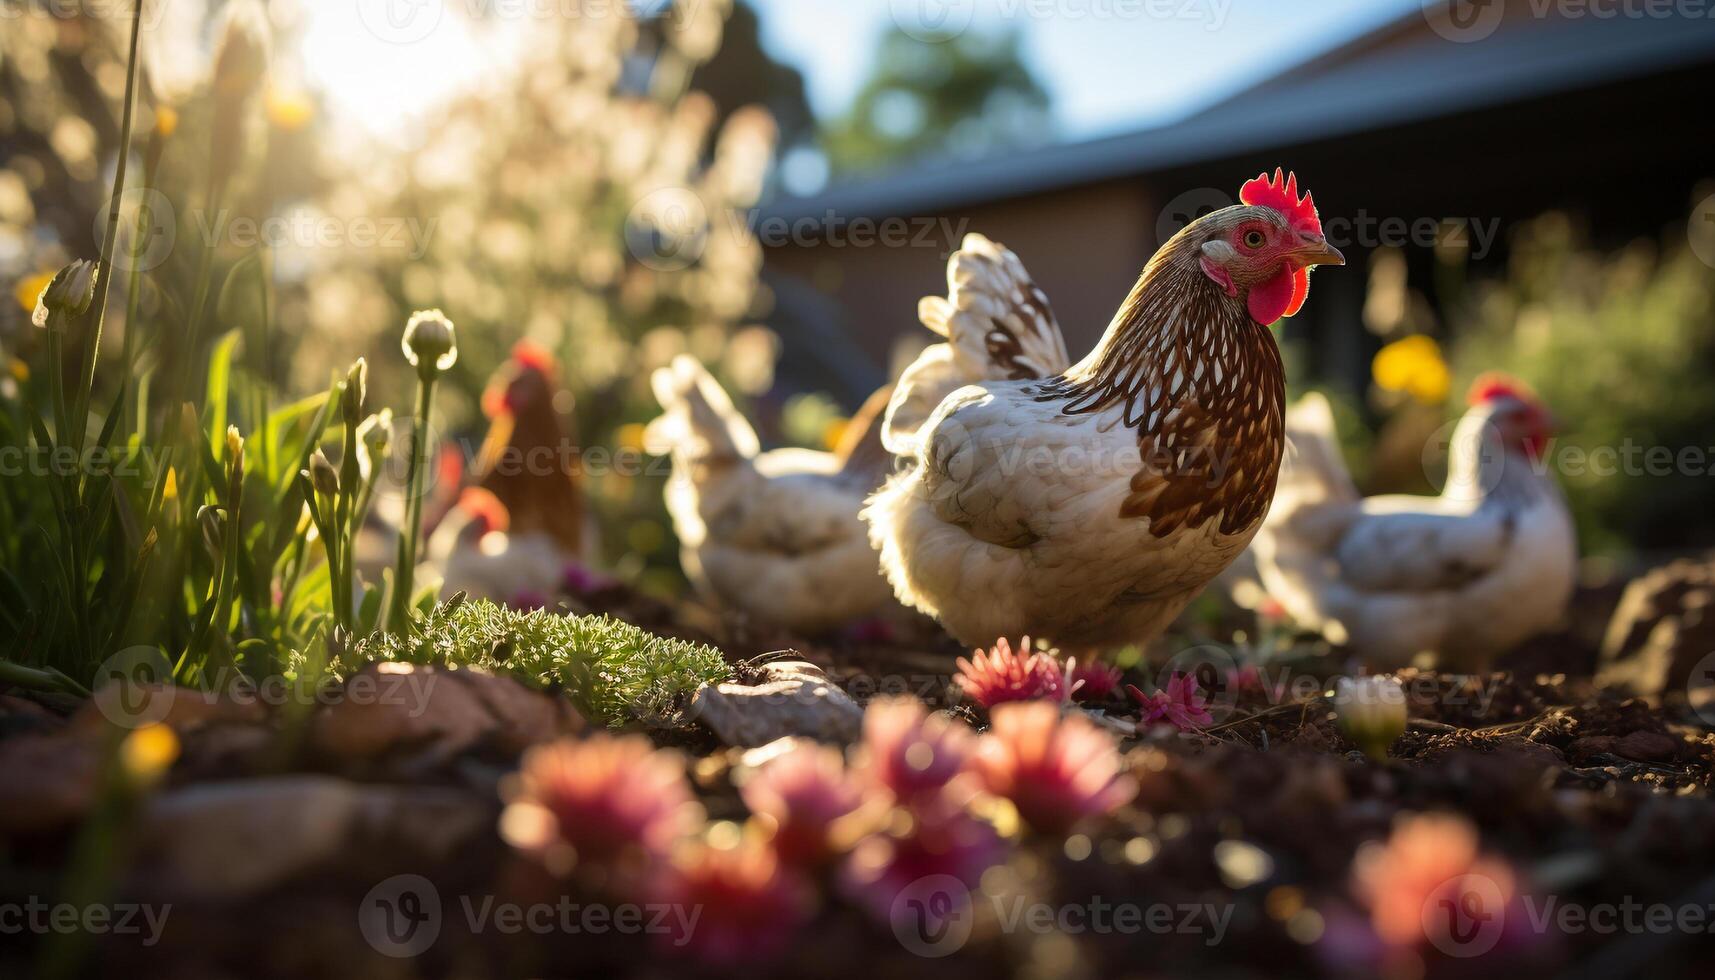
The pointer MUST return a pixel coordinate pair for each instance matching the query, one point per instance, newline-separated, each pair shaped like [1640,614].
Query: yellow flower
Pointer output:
[19,370]
[1413,366]
[147,753]
[170,492]
[166,121]
[629,437]
[290,111]
[30,289]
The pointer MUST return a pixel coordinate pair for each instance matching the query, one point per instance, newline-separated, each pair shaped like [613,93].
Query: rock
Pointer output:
[1582,750]
[794,698]
[20,715]
[395,706]
[185,709]
[1663,629]
[524,716]
[49,781]
[229,840]
[1647,747]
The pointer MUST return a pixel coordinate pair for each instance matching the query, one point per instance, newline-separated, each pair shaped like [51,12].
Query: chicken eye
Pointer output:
[1254,239]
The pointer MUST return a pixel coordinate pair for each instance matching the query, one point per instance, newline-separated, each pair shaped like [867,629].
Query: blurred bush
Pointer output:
[587,203]
[1620,346]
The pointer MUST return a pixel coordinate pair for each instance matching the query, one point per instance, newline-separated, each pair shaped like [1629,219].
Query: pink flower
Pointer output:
[804,796]
[1180,703]
[1092,680]
[575,579]
[1432,861]
[1271,611]
[1058,770]
[911,752]
[528,601]
[941,845]
[733,905]
[599,800]
[1001,675]
[871,630]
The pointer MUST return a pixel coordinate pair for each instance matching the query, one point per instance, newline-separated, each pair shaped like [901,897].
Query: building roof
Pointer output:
[1402,73]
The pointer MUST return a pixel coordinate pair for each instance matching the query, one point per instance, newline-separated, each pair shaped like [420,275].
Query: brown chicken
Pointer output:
[530,459]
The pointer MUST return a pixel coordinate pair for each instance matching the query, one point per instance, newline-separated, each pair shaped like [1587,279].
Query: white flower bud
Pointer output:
[69,294]
[1371,712]
[430,344]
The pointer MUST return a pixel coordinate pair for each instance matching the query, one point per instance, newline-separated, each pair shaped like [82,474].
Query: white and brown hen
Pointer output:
[1464,576]
[1090,503]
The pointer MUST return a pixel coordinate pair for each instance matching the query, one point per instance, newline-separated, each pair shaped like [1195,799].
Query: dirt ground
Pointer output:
[1592,798]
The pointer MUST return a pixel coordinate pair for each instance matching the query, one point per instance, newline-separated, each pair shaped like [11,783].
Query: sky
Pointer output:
[1109,65]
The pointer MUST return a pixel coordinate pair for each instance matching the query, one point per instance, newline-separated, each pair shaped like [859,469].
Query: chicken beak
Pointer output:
[1317,251]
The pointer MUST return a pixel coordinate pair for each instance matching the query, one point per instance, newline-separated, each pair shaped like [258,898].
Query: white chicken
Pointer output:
[1464,576]
[776,534]
[474,551]
[1090,503]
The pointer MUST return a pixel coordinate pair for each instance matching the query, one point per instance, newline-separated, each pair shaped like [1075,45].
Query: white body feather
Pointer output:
[1008,522]
[1465,575]
[774,534]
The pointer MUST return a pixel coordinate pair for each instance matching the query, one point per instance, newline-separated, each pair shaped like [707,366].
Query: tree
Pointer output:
[963,97]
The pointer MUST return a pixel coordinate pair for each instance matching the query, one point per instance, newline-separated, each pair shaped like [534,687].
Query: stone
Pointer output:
[1647,747]
[389,707]
[1662,631]
[49,781]
[185,709]
[794,698]
[235,839]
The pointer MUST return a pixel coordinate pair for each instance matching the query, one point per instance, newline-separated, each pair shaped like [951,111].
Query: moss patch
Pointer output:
[613,671]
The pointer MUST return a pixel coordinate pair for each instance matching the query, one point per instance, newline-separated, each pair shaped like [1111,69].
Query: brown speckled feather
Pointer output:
[1202,384]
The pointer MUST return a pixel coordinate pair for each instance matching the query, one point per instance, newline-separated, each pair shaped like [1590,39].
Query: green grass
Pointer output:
[614,672]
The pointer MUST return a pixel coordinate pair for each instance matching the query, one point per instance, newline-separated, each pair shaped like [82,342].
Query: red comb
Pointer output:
[449,466]
[532,355]
[1496,384]
[484,505]
[1281,194]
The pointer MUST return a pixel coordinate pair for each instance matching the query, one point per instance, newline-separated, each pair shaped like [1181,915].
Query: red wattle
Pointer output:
[1268,301]
[1300,292]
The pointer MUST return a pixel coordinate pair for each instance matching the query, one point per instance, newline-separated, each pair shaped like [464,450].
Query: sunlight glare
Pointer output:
[385,88]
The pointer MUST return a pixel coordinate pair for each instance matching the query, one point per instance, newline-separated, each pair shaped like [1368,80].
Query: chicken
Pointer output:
[1090,503]
[1465,575]
[529,459]
[775,535]
[476,550]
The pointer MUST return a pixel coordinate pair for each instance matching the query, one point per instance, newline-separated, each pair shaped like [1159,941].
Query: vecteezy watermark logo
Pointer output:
[120,919]
[401,21]
[148,226]
[119,11]
[932,916]
[1701,230]
[668,229]
[1188,207]
[1466,916]
[1464,21]
[1700,689]
[933,21]
[134,688]
[1215,669]
[1473,451]
[401,917]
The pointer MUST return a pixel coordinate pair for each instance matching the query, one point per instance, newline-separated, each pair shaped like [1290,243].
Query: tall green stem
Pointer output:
[399,620]
[92,347]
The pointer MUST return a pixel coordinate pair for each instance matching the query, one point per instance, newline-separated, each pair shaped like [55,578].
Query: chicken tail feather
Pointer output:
[698,419]
[998,326]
